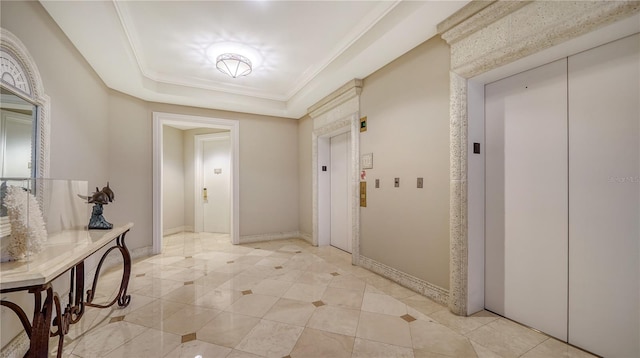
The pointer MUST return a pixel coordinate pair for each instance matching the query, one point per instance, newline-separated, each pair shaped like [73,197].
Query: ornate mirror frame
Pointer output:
[19,74]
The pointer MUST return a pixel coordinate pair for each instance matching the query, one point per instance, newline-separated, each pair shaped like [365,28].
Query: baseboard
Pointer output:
[17,347]
[306,237]
[268,237]
[423,287]
[177,230]
[116,259]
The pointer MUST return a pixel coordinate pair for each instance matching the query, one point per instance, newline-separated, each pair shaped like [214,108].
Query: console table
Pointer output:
[63,252]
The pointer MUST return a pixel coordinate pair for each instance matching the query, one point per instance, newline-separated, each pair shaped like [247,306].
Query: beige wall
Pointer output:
[79,100]
[268,176]
[79,116]
[97,135]
[407,105]
[173,189]
[305,190]
[130,166]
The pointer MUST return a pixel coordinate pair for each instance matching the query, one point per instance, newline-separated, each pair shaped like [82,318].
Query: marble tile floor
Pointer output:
[203,297]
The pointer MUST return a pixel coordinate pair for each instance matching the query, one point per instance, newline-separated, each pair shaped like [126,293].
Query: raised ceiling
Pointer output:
[164,51]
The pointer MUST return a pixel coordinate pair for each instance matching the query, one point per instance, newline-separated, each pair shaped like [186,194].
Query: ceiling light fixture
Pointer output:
[233,64]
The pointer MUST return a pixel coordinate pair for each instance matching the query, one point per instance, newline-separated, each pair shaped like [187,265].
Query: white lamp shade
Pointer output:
[233,65]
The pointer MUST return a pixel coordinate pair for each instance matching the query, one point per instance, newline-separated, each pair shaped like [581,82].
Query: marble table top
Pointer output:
[61,252]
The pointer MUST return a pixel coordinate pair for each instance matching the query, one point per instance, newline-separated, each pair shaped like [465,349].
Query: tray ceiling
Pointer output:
[164,51]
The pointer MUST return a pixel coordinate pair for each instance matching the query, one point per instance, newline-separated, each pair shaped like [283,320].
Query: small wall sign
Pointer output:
[363,124]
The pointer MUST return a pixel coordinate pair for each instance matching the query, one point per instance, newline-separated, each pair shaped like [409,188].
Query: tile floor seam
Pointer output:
[355,335]
[125,342]
[534,347]
[413,346]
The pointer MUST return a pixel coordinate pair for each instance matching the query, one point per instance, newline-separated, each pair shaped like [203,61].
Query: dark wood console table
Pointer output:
[63,252]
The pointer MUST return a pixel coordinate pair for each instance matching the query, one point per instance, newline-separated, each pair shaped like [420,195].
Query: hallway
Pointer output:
[204,297]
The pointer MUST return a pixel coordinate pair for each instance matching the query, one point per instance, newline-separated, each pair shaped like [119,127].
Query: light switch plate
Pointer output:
[396,182]
[366,161]
[420,183]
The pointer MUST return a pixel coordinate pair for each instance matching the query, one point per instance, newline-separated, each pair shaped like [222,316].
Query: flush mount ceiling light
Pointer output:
[233,64]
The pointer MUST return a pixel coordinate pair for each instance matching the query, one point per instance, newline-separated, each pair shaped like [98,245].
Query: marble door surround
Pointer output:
[335,114]
[491,40]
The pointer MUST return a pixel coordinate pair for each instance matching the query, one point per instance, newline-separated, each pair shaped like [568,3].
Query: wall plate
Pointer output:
[366,161]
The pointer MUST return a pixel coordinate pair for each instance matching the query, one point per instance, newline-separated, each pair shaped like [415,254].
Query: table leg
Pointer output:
[122,297]
[39,345]
[39,329]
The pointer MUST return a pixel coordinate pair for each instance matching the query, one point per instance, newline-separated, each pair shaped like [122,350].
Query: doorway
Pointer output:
[189,122]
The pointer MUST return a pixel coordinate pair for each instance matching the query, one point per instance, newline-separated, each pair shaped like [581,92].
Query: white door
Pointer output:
[216,172]
[604,198]
[340,216]
[526,198]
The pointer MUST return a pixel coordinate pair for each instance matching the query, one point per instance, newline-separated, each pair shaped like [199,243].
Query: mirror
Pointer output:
[24,118]
[27,106]
[17,136]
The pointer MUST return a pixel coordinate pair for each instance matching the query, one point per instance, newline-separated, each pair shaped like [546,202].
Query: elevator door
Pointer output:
[563,198]
[526,198]
[604,198]
[340,192]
